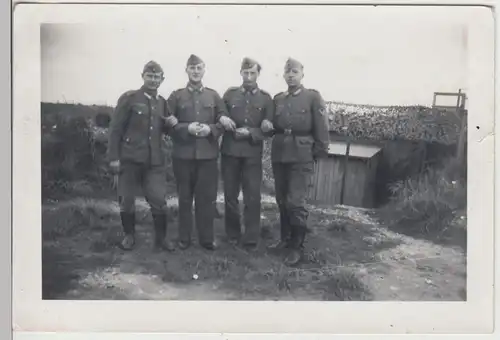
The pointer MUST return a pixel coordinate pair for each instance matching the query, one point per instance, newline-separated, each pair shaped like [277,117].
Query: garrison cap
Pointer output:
[292,63]
[194,60]
[249,63]
[152,66]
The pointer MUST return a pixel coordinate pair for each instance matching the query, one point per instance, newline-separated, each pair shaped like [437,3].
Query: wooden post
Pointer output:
[346,161]
[460,113]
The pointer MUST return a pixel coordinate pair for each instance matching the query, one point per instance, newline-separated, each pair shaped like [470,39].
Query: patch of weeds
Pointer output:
[425,206]
[317,257]
[70,219]
[63,222]
[343,285]
[222,266]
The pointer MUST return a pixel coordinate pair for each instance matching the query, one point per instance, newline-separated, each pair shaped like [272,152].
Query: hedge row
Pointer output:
[412,123]
[367,122]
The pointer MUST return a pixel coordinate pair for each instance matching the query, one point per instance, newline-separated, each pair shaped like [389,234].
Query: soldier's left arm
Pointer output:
[269,110]
[167,112]
[320,125]
[180,130]
[257,134]
[216,127]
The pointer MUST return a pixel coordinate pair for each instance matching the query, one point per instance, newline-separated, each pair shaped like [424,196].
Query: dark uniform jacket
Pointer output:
[300,122]
[137,128]
[247,108]
[203,105]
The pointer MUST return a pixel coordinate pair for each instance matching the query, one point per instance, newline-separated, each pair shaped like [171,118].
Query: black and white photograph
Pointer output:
[258,153]
[206,160]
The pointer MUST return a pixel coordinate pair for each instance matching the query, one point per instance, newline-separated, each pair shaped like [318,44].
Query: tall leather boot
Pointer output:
[295,253]
[285,232]
[128,224]
[160,229]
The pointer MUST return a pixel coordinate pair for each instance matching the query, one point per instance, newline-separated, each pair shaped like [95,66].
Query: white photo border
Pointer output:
[30,313]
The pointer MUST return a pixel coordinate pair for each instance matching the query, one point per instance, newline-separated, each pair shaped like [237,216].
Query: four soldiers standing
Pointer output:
[195,117]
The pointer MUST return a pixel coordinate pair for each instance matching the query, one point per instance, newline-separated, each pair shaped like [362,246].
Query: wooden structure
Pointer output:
[456,114]
[347,176]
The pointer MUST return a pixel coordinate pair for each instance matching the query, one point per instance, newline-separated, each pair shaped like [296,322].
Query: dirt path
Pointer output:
[350,256]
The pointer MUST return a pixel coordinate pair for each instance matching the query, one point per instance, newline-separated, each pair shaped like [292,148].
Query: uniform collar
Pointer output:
[193,88]
[252,91]
[296,92]
[148,95]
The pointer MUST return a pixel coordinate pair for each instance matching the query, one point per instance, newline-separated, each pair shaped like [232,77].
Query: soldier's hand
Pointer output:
[242,133]
[227,123]
[171,121]
[204,130]
[194,128]
[266,126]
[115,166]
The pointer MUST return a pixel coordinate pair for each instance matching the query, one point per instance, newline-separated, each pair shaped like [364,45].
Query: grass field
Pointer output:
[350,256]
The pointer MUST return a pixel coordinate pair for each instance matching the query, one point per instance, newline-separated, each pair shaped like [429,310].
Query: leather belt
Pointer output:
[290,132]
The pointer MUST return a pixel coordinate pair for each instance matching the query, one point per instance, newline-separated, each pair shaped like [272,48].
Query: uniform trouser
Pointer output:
[153,182]
[242,173]
[196,179]
[291,185]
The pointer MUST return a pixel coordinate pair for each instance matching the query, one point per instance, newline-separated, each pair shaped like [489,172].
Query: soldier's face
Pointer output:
[250,75]
[152,80]
[293,76]
[195,72]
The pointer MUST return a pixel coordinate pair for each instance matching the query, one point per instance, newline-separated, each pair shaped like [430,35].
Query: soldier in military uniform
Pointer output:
[196,131]
[248,108]
[300,137]
[136,155]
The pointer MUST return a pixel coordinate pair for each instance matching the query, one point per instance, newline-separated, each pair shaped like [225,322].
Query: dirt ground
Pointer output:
[351,255]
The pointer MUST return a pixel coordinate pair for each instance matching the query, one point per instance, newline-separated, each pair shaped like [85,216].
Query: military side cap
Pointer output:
[153,66]
[292,63]
[248,63]
[194,60]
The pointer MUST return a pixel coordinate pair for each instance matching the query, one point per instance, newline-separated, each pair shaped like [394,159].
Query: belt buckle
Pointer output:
[288,132]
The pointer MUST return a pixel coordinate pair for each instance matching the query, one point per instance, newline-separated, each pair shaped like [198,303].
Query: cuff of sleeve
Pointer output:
[320,152]
[216,129]
[255,136]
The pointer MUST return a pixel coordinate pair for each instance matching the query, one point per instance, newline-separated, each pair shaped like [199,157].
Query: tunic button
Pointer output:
[151,128]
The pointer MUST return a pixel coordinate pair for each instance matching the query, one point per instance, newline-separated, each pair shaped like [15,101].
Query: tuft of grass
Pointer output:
[429,204]
[72,217]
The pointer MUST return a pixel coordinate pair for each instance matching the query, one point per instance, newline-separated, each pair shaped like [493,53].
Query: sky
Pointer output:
[366,55]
